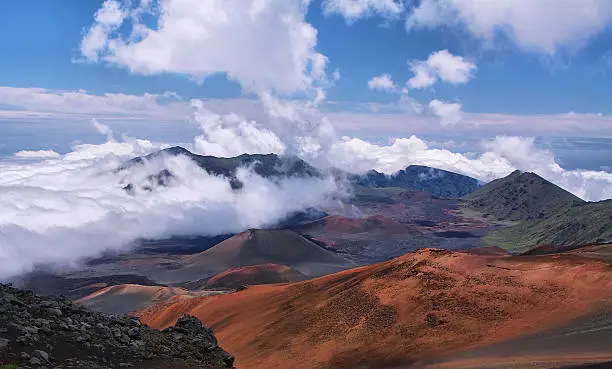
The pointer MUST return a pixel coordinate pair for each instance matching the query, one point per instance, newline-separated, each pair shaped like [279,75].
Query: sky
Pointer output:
[534,68]
[479,87]
[453,72]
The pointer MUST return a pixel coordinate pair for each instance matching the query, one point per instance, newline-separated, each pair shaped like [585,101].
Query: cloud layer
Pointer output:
[500,156]
[62,210]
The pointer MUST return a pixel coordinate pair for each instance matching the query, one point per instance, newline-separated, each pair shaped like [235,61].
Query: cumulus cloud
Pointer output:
[537,25]
[383,82]
[352,10]
[449,113]
[262,44]
[441,65]
[107,19]
[231,135]
[62,210]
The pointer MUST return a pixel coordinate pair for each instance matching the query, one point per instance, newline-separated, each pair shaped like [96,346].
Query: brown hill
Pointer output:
[406,312]
[255,274]
[341,224]
[126,298]
[258,246]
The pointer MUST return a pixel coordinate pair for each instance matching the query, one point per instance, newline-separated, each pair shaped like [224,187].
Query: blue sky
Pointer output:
[41,41]
[537,68]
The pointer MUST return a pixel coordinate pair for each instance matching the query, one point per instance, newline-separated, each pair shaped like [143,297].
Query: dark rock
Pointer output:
[53,311]
[42,355]
[52,330]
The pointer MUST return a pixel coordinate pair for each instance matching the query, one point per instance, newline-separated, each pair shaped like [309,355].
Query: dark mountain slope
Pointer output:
[578,225]
[521,196]
[266,165]
[438,182]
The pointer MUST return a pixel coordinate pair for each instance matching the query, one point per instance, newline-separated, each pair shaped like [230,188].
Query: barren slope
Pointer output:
[255,274]
[126,298]
[258,246]
[400,313]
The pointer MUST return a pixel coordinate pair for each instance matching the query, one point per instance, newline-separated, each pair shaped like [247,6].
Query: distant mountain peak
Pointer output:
[176,150]
[438,182]
[520,196]
[266,165]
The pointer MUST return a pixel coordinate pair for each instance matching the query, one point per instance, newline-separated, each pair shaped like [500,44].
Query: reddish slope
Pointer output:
[255,274]
[126,298]
[374,223]
[410,309]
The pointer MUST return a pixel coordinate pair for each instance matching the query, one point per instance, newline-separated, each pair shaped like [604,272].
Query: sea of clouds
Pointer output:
[62,209]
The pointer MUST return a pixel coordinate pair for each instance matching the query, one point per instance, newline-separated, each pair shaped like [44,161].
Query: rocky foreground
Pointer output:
[52,332]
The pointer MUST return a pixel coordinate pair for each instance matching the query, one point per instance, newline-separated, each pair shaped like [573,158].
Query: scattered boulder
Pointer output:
[52,332]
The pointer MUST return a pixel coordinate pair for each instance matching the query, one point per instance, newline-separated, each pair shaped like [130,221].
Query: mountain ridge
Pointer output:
[438,182]
[265,165]
[520,196]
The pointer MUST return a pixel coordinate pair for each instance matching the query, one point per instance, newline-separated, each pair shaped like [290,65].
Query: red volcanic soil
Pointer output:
[340,224]
[126,298]
[255,274]
[402,313]
[489,250]
[601,251]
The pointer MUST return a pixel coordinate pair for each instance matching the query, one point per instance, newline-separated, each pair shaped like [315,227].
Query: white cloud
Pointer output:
[80,102]
[336,75]
[382,82]
[103,129]
[43,108]
[232,135]
[441,65]
[535,25]
[352,10]
[108,18]
[449,113]
[501,156]
[56,206]
[262,44]
[423,76]
[36,154]
[60,211]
